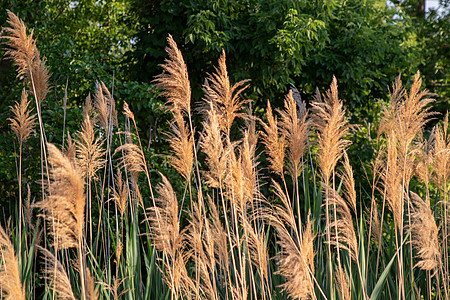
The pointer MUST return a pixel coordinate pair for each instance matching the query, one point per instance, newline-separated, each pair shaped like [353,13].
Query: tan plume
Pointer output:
[23,121]
[343,233]
[65,201]
[225,97]
[54,272]
[441,154]
[89,150]
[296,262]
[133,158]
[175,82]
[275,145]
[10,285]
[120,195]
[105,106]
[425,235]
[213,146]
[329,120]
[295,127]
[168,238]
[23,51]
[182,144]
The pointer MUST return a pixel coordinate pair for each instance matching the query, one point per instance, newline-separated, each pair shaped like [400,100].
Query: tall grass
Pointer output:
[106,226]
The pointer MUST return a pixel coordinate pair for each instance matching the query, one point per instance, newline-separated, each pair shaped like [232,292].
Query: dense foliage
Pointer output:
[274,43]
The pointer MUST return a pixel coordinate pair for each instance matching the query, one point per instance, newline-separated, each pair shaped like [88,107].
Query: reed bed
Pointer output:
[106,226]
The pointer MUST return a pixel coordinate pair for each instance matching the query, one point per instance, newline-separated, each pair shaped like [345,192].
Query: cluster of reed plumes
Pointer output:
[100,229]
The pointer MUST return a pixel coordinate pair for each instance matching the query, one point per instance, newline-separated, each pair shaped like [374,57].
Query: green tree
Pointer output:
[364,43]
[432,27]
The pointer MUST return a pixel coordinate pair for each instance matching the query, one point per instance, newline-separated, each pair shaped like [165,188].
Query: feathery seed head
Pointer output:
[342,230]
[212,145]
[349,183]
[65,201]
[275,145]
[225,97]
[105,106]
[295,127]
[425,234]
[329,120]
[175,82]
[120,193]
[133,159]
[441,154]
[23,51]
[54,272]
[182,144]
[10,284]
[296,263]
[89,150]
[23,121]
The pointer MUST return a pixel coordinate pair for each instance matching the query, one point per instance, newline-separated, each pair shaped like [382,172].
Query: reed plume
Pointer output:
[133,158]
[295,127]
[331,126]
[23,51]
[425,160]
[23,121]
[70,149]
[65,201]
[40,77]
[250,128]
[89,150]
[202,244]
[213,146]
[441,155]
[120,195]
[392,181]
[375,224]
[216,232]
[342,230]
[425,235]
[182,144]
[177,90]
[88,108]
[105,106]
[296,257]
[234,180]
[10,285]
[127,111]
[403,121]
[349,183]
[257,248]
[22,124]
[64,206]
[343,284]
[54,272]
[168,238]
[275,145]
[413,113]
[329,120]
[175,82]
[225,97]
[296,263]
